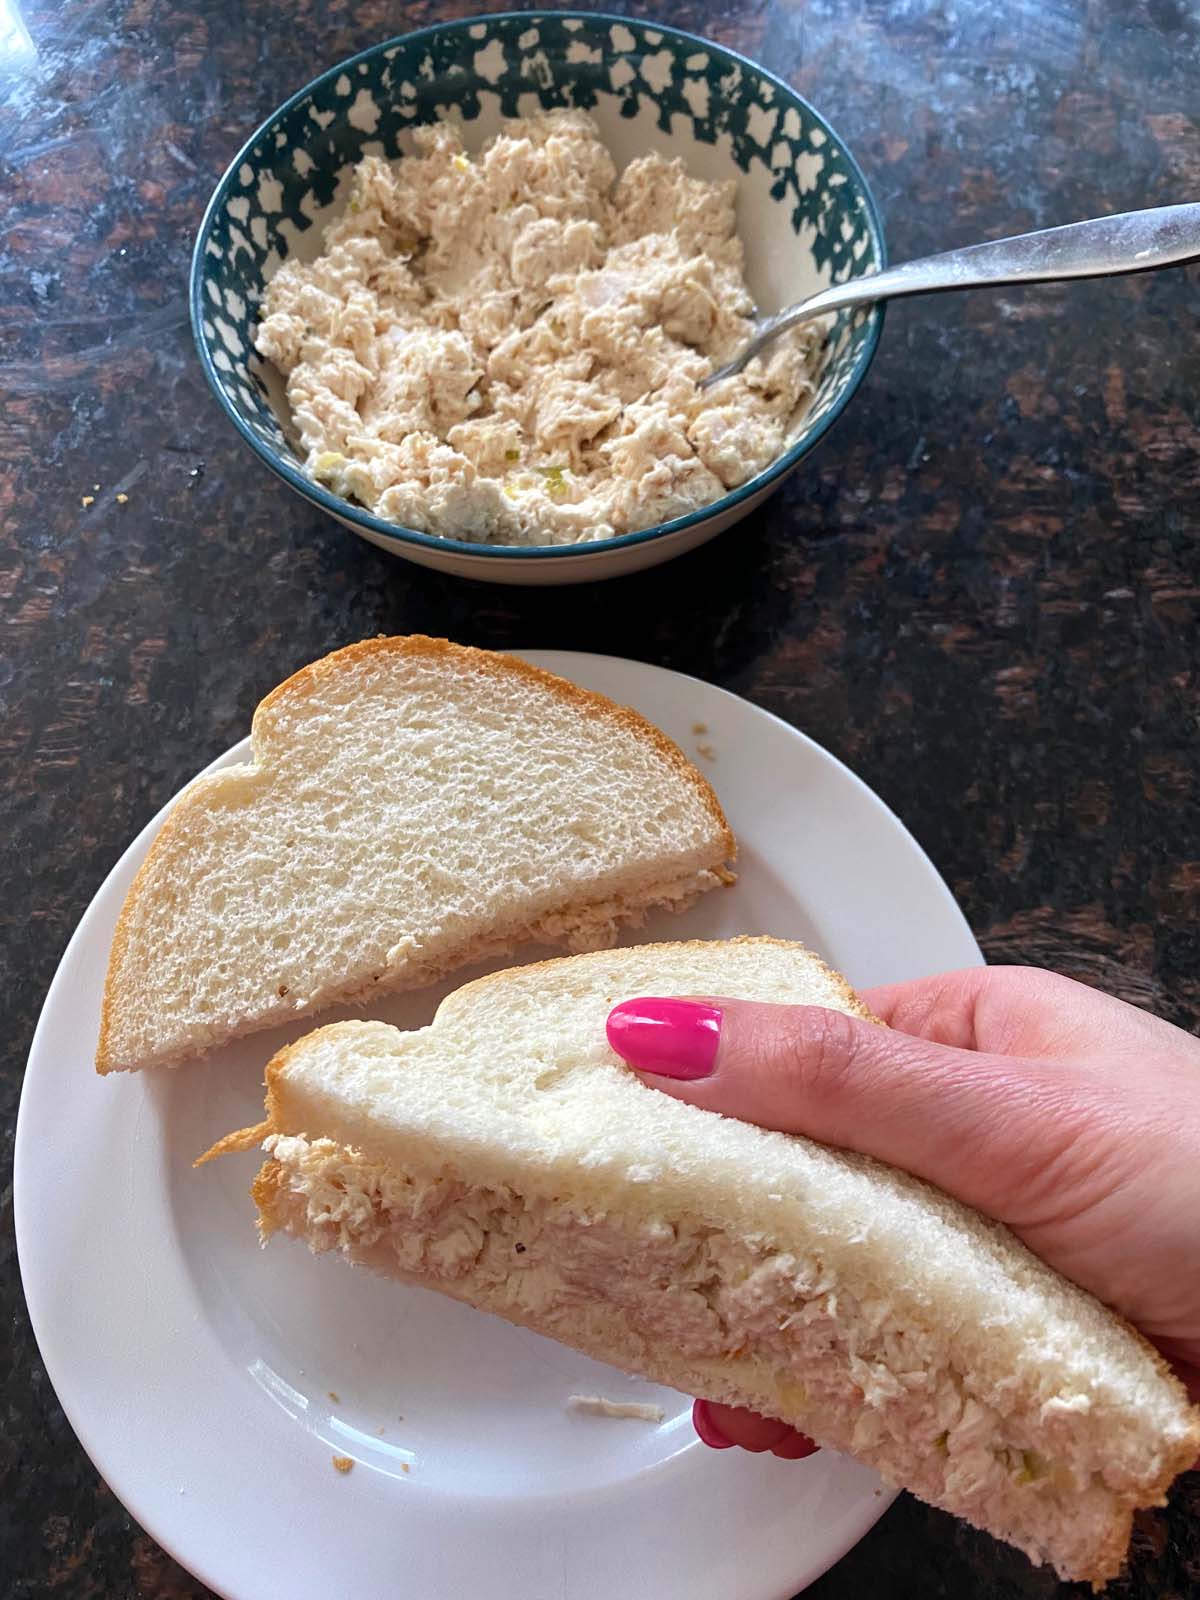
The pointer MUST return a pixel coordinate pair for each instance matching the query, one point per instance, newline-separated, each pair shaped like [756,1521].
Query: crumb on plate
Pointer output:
[596,1405]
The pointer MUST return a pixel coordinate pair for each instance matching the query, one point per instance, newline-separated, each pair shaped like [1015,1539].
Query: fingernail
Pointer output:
[709,1433]
[674,1038]
[796,1447]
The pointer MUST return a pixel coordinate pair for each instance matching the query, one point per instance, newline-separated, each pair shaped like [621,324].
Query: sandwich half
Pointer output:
[505,1156]
[409,806]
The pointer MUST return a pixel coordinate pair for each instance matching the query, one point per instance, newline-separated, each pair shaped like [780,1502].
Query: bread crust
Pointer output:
[499,665]
[274,1122]
[848,995]
[297,688]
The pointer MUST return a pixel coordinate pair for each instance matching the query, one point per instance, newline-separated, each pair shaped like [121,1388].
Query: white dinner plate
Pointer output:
[212,1383]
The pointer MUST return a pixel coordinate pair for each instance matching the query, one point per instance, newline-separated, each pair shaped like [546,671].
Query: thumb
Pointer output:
[996,1131]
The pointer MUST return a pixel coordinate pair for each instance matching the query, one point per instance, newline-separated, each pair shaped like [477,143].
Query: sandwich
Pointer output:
[409,807]
[505,1156]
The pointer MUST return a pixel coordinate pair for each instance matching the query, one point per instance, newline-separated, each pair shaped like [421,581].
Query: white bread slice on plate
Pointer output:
[505,1156]
[410,806]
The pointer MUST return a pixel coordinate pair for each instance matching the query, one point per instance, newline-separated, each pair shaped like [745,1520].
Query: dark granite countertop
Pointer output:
[983,591]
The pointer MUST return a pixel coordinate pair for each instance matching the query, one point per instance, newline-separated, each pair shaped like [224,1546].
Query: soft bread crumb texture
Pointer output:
[858,1304]
[410,806]
[507,348]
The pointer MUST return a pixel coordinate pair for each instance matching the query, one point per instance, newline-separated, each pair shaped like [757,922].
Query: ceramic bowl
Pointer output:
[805,215]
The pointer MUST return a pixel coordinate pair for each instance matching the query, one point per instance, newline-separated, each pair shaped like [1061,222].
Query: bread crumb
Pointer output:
[380,1432]
[707,751]
[343,1463]
[334,1396]
[404,1467]
[597,1406]
[699,727]
[122,499]
[87,499]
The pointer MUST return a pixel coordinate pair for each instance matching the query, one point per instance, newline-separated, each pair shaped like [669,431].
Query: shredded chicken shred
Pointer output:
[506,348]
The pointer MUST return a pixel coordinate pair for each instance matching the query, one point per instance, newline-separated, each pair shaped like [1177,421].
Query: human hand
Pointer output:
[1066,1114]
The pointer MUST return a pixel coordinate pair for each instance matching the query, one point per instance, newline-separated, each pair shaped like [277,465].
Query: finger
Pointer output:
[1002,1010]
[796,1447]
[721,1426]
[1020,1011]
[1000,1133]
[940,1008]
[706,1428]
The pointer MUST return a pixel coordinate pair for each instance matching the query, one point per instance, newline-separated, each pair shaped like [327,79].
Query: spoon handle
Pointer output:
[1134,241]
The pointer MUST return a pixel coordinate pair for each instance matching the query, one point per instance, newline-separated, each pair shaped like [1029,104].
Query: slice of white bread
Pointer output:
[505,1156]
[410,806]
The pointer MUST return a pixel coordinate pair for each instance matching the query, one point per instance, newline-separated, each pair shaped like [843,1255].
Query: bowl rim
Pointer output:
[359,516]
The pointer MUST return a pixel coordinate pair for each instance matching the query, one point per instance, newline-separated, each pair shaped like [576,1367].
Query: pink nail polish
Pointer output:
[703,1423]
[673,1038]
[795,1447]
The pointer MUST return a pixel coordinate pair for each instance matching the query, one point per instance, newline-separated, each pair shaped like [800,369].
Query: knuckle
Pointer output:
[819,1051]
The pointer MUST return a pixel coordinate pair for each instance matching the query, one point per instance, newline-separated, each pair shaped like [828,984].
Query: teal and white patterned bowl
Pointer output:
[805,215]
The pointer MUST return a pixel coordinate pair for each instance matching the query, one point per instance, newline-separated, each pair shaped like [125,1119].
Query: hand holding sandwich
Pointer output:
[1064,1113]
[502,1155]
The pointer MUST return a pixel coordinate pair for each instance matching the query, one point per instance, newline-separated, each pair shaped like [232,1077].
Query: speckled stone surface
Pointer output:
[982,592]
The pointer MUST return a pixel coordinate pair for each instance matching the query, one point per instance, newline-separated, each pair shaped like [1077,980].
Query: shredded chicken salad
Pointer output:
[506,348]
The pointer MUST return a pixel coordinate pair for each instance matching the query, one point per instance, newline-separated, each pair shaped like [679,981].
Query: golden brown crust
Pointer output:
[303,683]
[1187,1452]
[499,665]
[105,1059]
[234,1143]
[265,1190]
[274,1122]
[849,997]
[248,1138]
[192,799]
[266,1186]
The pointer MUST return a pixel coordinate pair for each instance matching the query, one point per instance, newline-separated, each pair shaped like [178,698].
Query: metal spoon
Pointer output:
[1134,241]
